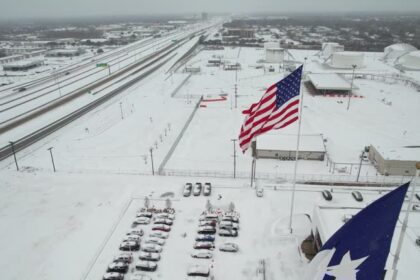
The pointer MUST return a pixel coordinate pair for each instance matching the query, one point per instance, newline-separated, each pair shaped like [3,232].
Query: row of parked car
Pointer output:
[197,189]
[327,195]
[149,248]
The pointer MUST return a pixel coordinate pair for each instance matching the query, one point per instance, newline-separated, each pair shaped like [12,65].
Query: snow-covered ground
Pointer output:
[68,225]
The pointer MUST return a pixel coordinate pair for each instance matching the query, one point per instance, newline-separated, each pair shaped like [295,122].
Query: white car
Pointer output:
[197,189]
[165,216]
[138,232]
[155,240]
[163,221]
[144,214]
[229,247]
[228,225]
[146,256]
[146,265]
[159,234]
[259,192]
[151,248]
[142,221]
[132,238]
[198,270]
[202,254]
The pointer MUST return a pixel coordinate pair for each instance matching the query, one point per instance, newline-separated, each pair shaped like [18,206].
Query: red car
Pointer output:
[160,227]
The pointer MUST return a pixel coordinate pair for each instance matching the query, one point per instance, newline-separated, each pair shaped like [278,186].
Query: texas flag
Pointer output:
[360,248]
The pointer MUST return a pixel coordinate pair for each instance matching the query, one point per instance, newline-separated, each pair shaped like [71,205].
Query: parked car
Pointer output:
[228,232]
[130,246]
[207,189]
[113,276]
[204,245]
[159,234]
[121,267]
[140,276]
[21,89]
[418,196]
[124,257]
[416,207]
[197,189]
[230,219]
[165,216]
[229,247]
[198,270]
[205,237]
[206,230]
[259,192]
[151,248]
[187,189]
[144,214]
[146,265]
[327,195]
[228,225]
[147,256]
[132,238]
[163,221]
[138,232]
[209,216]
[357,196]
[164,228]
[202,254]
[155,240]
[141,221]
[211,223]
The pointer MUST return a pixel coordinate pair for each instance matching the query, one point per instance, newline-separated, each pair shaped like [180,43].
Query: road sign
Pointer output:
[102,65]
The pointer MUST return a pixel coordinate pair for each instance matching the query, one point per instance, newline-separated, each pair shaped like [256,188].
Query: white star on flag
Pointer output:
[347,269]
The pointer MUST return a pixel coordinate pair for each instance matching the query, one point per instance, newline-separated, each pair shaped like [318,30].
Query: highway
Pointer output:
[75,101]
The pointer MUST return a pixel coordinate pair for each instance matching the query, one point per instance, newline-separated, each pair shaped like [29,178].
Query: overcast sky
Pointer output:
[10,9]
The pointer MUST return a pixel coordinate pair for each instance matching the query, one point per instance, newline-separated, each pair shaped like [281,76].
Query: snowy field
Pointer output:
[68,225]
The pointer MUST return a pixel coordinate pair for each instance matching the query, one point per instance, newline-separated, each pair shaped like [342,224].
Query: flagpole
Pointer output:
[405,222]
[297,155]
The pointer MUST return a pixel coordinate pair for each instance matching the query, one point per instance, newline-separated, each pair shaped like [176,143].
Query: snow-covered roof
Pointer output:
[399,152]
[287,142]
[329,81]
[24,63]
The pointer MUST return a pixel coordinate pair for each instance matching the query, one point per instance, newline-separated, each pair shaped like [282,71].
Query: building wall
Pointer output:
[391,167]
[290,155]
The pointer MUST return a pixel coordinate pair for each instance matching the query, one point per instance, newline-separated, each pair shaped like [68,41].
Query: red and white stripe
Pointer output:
[263,116]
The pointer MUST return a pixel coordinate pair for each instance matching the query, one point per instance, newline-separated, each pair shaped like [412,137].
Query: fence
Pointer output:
[179,137]
[286,177]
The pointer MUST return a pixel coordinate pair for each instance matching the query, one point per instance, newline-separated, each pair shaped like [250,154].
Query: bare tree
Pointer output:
[168,203]
[146,202]
[231,207]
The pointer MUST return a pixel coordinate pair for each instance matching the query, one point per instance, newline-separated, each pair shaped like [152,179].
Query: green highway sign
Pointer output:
[102,65]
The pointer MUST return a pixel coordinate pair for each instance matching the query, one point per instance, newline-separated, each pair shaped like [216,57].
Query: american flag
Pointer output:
[278,107]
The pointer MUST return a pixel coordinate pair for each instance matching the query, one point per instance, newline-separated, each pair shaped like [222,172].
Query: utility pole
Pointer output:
[52,158]
[236,96]
[351,87]
[405,222]
[360,164]
[57,83]
[151,157]
[12,144]
[234,157]
[121,109]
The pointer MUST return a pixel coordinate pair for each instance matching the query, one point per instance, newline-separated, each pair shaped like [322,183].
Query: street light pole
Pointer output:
[351,87]
[151,157]
[52,158]
[12,144]
[234,157]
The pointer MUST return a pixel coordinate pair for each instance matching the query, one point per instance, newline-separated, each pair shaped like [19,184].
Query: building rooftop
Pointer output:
[329,81]
[287,142]
[411,153]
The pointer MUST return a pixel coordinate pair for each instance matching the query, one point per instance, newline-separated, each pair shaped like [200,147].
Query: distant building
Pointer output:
[204,16]
[22,65]
[400,161]
[274,55]
[329,48]
[241,32]
[346,60]
[64,52]
[283,147]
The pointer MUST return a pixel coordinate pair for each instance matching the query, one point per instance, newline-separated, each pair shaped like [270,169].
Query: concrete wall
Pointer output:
[391,167]
[290,155]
